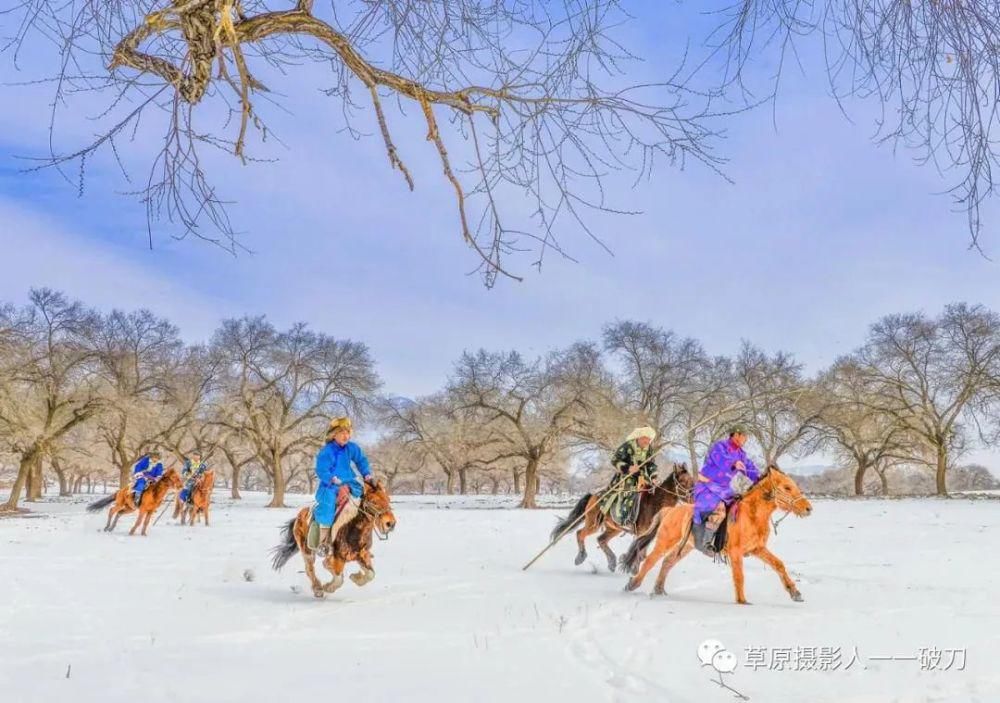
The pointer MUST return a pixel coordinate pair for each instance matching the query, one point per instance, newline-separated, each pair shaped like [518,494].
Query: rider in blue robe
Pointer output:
[144,472]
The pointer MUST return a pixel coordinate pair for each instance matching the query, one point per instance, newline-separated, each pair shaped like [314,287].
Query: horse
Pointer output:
[151,499]
[676,486]
[199,500]
[747,533]
[352,543]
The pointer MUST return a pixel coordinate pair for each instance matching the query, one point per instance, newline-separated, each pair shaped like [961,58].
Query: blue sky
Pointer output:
[821,231]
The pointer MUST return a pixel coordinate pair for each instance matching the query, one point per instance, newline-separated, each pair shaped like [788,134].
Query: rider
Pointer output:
[633,469]
[144,472]
[194,469]
[339,487]
[727,473]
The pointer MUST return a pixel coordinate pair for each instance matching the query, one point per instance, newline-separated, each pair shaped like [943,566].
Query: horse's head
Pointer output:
[173,479]
[375,504]
[779,487]
[684,480]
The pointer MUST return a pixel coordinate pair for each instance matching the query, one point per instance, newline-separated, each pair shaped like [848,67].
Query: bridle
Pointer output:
[779,495]
[374,512]
[681,493]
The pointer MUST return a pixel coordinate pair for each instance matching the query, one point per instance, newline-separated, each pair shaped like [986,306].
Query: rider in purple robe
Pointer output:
[727,473]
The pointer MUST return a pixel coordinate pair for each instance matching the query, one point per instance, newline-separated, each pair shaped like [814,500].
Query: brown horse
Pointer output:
[677,486]
[151,499]
[746,534]
[353,541]
[198,502]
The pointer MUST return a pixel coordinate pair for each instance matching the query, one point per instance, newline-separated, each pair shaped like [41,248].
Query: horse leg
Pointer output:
[114,524]
[317,587]
[205,514]
[589,528]
[367,573]
[736,564]
[336,567]
[112,512]
[678,553]
[136,525]
[145,524]
[609,534]
[772,560]
[669,535]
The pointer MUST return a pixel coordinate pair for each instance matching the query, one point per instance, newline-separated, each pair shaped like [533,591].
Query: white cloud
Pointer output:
[39,251]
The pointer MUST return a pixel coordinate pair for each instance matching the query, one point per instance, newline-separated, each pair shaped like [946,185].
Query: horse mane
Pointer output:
[759,485]
[671,478]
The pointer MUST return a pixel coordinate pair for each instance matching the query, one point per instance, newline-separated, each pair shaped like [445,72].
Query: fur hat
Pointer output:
[641,432]
[737,428]
[340,423]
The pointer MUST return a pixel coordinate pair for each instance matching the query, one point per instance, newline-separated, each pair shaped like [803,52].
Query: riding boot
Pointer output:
[708,540]
[323,548]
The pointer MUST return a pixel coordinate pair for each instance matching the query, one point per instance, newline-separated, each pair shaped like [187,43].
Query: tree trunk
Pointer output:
[423,486]
[942,468]
[277,483]
[34,488]
[23,469]
[885,481]
[450,484]
[235,492]
[692,454]
[531,483]
[463,481]
[859,478]
[495,488]
[64,485]
[517,481]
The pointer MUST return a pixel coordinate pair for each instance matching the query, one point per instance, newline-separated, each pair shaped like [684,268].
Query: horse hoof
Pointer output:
[612,565]
[580,558]
[797,597]
[631,585]
[634,570]
[319,593]
[659,592]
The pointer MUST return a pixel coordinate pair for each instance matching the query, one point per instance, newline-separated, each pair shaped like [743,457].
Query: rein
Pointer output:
[774,493]
[373,513]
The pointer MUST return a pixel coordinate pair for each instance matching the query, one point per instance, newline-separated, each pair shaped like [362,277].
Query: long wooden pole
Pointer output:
[614,487]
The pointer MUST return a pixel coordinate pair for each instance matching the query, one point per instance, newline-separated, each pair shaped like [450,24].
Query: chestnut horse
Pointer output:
[151,499]
[353,541]
[746,534]
[199,500]
[675,487]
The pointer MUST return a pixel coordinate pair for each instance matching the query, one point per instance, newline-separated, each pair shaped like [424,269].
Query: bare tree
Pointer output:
[531,406]
[856,430]
[155,385]
[515,98]
[282,387]
[48,384]
[932,68]
[931,373]
[778,405]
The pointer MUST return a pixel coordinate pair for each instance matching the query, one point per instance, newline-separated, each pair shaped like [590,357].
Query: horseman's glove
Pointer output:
[740,483]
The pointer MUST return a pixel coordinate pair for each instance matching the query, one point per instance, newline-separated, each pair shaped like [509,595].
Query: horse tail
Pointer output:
[101,503]
[631,558]
[284,551]
[564,524]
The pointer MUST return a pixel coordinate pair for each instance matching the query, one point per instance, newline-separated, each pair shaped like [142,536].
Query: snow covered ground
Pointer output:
[85,616]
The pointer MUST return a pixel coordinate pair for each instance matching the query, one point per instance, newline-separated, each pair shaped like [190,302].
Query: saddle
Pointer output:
[698,532]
